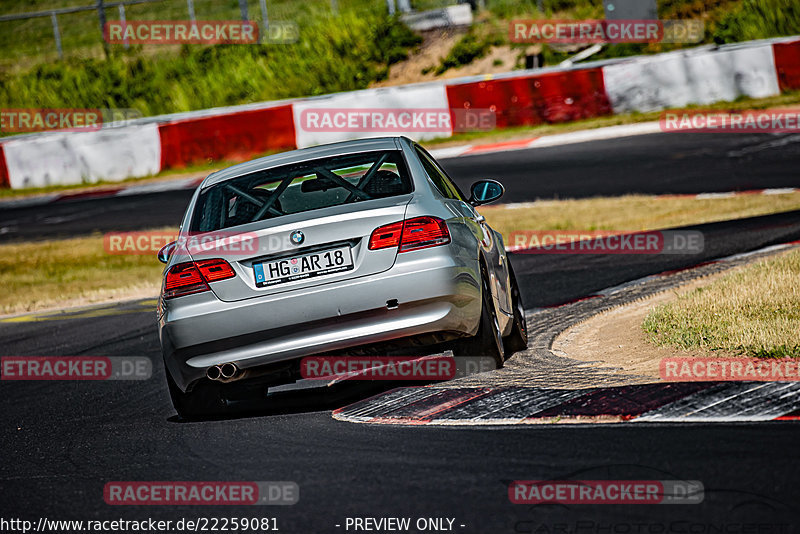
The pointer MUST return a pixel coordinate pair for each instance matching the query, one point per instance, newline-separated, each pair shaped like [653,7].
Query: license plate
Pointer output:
[294,268]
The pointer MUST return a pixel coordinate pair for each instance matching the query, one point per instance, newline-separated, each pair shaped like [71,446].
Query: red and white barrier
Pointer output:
[645,83]
[535,99]
[234,136]
[418,96]
[3,169]
[111,154]
[678,79]
[787,64]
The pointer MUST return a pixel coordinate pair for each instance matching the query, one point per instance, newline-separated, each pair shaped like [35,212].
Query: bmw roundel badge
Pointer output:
[297,237]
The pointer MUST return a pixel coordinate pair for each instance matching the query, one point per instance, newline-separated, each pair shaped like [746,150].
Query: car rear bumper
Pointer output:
[434,293]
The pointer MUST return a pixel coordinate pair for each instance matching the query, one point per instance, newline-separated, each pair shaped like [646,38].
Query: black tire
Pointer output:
[204,400]
[488,341]
[517,340]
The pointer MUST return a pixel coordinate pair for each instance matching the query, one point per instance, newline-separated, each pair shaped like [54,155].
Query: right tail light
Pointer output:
[411,234]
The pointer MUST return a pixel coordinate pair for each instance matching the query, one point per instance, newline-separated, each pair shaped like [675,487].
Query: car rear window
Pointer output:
[305,186]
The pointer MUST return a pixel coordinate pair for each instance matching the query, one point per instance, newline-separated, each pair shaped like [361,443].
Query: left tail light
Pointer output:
[194,276]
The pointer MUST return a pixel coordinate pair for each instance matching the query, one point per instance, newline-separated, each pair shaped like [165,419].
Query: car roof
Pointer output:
[303,154]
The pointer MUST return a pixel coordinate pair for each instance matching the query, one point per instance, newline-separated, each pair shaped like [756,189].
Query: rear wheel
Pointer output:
[488,341]
[204,400]
[517,340]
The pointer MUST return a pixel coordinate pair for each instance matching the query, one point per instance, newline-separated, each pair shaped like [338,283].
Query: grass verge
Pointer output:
[78,271]
[71,272]
[754,311]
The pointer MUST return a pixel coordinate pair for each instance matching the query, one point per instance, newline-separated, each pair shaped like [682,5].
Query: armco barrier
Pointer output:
[237,135]
[787,63]
[111,154]
[695,76]
[529,100]
[3,170]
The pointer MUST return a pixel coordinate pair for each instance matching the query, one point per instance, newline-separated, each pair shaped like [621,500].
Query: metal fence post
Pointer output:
[101,16]
[125,41]
[243,9]
[390,5]
[190,7]
[264,21]
[57,34]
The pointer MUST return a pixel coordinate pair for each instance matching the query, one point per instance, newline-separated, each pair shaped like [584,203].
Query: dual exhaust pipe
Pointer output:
[226,372]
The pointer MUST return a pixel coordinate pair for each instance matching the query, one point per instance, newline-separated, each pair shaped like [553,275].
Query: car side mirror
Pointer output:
[485,191]
[166,251]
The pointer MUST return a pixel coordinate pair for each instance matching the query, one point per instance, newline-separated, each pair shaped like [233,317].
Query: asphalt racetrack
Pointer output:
[63,441]
[654,164]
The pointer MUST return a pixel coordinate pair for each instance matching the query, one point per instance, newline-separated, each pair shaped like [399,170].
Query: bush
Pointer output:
[341,53]
[469,48]
[758,19]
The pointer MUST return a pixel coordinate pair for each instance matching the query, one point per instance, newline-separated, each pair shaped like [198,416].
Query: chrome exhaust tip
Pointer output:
[228,370]
[213,372]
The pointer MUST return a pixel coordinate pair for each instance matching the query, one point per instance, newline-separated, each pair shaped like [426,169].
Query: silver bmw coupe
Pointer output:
[353,248]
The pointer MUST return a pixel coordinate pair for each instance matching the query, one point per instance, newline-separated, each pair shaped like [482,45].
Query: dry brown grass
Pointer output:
[70,272]
[753,311]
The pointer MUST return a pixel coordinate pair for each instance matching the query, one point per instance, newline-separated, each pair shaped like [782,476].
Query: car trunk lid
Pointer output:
[302,250]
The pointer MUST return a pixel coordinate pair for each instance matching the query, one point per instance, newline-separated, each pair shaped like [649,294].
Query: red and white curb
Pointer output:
[664,402]
[677,402]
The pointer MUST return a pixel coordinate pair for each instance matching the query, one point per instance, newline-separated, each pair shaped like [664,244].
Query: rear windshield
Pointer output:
[299,187]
